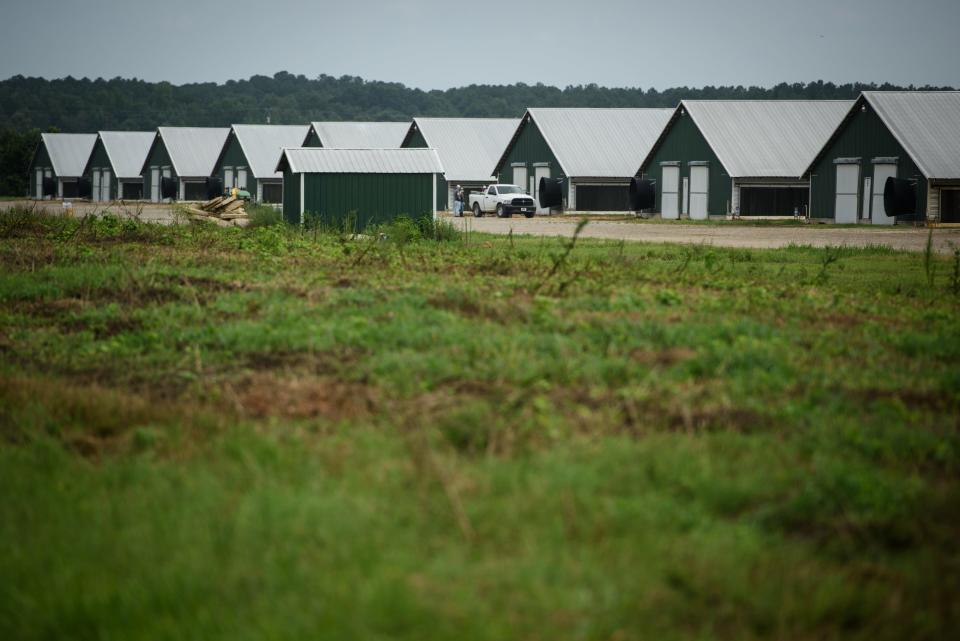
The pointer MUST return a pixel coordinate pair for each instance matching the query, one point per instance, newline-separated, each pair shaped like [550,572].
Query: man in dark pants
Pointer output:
[458,201]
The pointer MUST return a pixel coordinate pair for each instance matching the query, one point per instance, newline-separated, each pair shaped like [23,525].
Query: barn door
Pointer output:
[685,204]
[39,190]
[538,173]
[105,184]
[155,184]
[95,194]
[669,195]
[699,179]
[520,176]
[845,205]
[242,178]
[867,196]
[227,178]
[880,174]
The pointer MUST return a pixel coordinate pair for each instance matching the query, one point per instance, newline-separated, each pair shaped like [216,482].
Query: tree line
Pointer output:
[31,105]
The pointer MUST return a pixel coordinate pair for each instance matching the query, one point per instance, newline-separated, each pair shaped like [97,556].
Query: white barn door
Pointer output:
[95,194]
[105,184]
[670,193]
[880,175]
[520,176]
[155,184]
[242,178]
[699,179]
[39,189]
[845,205]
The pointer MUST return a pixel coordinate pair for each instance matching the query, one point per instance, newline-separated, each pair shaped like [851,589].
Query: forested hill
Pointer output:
[72,105]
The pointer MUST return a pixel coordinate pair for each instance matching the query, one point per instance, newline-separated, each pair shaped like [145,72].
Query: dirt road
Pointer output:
[726,235]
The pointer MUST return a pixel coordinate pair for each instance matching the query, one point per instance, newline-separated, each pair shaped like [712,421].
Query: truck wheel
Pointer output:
[500,211]
[476,211]
[529,214]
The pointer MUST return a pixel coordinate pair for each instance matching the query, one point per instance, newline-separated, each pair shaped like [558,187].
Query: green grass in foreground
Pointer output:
[243,434]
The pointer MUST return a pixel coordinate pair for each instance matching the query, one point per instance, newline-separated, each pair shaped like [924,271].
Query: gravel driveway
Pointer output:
[727,235]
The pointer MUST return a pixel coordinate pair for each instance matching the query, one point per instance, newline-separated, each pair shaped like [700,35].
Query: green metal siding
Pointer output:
[291,197]
[158,157]
[862,136]
[528,148]
[100,160]
[41,159]
[233,156]
[417,141]
[313,140]
[684,142]
[376,198]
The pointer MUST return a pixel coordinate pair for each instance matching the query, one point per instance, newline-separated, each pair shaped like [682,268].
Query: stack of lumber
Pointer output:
[224,208]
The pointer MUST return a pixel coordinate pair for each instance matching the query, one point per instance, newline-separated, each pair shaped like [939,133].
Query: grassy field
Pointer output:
[216,433]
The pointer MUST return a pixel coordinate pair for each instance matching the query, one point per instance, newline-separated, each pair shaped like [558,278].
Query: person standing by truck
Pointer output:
[458,201]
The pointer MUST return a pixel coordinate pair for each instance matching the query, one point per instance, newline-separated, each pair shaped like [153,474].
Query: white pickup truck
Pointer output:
[503,200]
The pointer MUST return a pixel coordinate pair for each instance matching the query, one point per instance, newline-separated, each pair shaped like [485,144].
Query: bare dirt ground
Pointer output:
[726,235]
[147,212]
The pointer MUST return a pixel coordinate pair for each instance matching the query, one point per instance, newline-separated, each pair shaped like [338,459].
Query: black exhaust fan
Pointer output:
[168,187]
[49,186]
[214,187]
[551,192]
[899,197]
[84,188]
[643,194]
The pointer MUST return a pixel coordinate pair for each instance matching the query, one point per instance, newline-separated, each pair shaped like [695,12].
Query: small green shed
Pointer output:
[57,165]
[912,135]
[375,185]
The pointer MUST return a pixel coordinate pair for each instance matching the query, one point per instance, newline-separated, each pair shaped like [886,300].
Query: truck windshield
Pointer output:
[509,189]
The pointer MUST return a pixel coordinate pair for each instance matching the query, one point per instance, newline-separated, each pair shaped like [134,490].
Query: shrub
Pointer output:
[263,216]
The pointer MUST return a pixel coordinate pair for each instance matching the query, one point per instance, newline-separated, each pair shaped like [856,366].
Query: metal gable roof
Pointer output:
[927,126]
[127,151]
[305,160]
[766,138]
[69,153]
[600,143]
[361,135]
[193,150]
[263,144]
[468,147]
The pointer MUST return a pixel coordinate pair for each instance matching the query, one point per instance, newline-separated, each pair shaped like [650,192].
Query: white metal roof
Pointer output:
[468,147]
[927,126]
[766,138]
[127,151]
[361,135]
[601,143]
[69,153]
[361,161]
[193,150]
[263,144]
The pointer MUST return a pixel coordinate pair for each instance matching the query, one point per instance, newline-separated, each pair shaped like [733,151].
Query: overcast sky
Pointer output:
[435,44]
